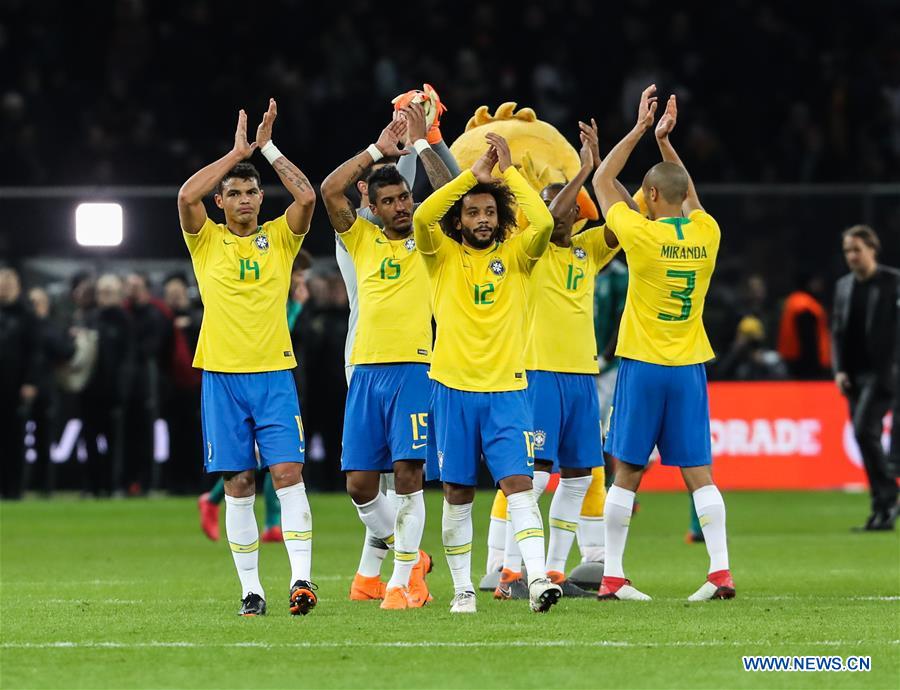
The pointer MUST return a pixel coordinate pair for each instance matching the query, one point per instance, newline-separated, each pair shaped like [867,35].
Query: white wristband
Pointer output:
[420,145]
[375,152]
[270,152]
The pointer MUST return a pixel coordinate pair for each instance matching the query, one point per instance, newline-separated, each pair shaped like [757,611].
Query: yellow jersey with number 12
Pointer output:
[561,305]
[244,284]
[479,294]
[670,265]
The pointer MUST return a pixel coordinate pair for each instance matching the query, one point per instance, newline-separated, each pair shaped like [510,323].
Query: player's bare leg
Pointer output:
[711,511]
[617,518]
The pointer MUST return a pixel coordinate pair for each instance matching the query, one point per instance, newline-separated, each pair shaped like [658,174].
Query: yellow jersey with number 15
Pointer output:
[670,265]
[394,297]
[244,284]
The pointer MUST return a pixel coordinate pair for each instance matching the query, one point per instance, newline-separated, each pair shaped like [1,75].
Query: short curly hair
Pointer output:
[506,211]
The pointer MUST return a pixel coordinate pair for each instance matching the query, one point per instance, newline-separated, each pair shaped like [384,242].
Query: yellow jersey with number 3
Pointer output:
[670,265]
[394,297]
[561,305]
[244,284]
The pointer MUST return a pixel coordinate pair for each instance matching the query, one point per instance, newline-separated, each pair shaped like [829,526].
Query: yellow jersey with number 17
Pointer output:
[244,284]
[670,265]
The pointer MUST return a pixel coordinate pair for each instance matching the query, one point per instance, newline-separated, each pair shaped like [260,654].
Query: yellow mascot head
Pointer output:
[539,151]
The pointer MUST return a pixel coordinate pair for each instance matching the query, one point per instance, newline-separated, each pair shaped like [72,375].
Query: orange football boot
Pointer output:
[418,588]
[507,577]
[367,588]
[397,598]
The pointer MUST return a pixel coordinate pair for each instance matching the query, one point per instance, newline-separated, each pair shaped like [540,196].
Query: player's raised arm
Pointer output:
[437,171]
[565,201]
[535,237]
[191,211]
[299,213]
[611,166]
[663,129]
[427,218]
[340,210]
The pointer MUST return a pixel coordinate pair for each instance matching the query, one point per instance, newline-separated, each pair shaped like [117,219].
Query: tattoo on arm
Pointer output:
[290,174]
[435,168]
[342,216]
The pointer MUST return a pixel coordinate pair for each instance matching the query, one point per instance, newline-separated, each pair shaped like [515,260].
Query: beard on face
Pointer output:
[473,239]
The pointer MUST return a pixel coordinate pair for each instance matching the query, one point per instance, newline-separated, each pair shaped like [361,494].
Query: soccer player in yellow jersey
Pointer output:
[478,401]
[386,416]
[661,396]
[243,270]
[562,363]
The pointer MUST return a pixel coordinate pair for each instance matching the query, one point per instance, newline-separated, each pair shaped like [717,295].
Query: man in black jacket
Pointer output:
[19,371]
[864,329]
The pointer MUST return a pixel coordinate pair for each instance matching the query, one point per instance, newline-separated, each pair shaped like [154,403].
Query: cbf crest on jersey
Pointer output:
[262,242]
[497,267]
[540,438]
[410,243]
[580,253]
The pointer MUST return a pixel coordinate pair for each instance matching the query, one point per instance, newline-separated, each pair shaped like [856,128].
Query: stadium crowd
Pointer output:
[115,351]
[807,97]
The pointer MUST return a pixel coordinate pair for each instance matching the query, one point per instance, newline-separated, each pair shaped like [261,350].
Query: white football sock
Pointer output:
[379,516]
[711,511]
[617,517]
[296,526]
[496,544]
[512,557]
[540,481]
[456,532]
[564,510]
[591,539]
[408,535]
[525,517]
[243,538]
[374,549]
[372,556]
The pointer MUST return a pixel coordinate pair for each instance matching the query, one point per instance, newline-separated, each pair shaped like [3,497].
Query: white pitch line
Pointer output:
[529,644]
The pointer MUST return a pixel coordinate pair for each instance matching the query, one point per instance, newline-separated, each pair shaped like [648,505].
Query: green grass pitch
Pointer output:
[129,594]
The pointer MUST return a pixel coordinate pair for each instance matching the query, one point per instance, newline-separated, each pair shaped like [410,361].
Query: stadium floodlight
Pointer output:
[98,225]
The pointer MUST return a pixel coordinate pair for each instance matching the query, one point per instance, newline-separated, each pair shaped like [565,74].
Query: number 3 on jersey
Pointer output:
[690,278]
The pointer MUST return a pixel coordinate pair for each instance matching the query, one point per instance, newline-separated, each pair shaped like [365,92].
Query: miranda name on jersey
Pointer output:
[674,251]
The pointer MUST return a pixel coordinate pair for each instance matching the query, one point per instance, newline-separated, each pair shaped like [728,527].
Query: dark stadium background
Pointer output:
[789,119]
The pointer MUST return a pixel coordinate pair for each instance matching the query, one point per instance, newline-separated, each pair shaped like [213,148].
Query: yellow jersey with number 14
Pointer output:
[244,284]
[670,265]
[561,305]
